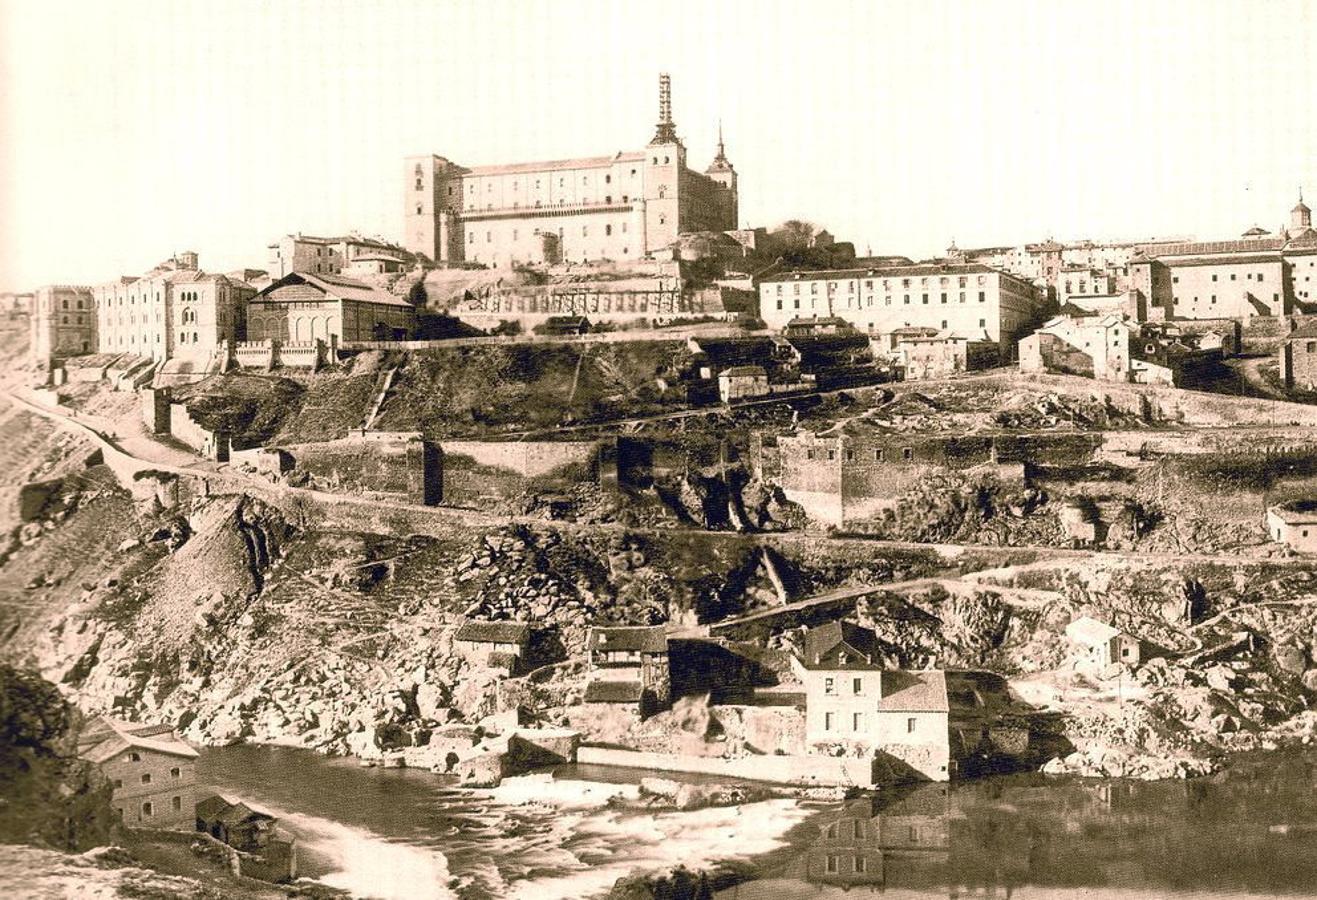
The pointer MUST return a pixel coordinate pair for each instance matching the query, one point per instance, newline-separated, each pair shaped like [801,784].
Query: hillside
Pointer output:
[500,388]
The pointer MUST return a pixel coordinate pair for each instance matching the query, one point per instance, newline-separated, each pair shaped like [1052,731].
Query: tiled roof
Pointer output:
[1200,248]
[212,806]
[898,271]
[493,632]
[1303,332]
[338,286]
[821,641]
[743,371]
[614,692]
[1296,512]
[905,691]
[1306,240]
[106,738]
[584,162]
[646,639]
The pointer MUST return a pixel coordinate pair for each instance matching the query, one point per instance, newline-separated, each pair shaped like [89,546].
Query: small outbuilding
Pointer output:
[741,382]
[1104,643]
[1294,524]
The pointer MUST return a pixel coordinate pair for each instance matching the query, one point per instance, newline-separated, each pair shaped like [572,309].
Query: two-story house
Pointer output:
[854,704]
[629,662]
[152,771]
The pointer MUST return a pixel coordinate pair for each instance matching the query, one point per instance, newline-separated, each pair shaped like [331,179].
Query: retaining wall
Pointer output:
[397,463]
[210,444]
[798,770]
[478,471]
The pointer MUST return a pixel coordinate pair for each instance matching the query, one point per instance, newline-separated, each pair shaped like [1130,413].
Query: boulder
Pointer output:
[1291,659]
[1310,680]
[1220,678]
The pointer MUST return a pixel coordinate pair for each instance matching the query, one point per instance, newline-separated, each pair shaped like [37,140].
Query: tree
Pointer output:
[795,234]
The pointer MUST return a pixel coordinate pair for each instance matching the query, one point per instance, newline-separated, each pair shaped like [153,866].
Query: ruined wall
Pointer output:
[397,463]
[477,471]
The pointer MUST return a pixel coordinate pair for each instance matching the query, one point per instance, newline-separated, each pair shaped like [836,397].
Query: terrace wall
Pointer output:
[210,444]
[477,471]
[401,464]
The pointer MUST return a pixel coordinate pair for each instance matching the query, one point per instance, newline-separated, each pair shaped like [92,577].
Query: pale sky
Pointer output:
[130,130]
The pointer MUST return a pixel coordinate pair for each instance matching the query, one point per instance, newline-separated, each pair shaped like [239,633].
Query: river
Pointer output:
[1250,831]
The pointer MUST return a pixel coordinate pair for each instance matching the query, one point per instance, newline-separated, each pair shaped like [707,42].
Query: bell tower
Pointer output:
[722,172]
[665,161]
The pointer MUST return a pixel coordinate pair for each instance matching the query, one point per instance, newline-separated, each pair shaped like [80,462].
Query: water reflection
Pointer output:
[1251,831]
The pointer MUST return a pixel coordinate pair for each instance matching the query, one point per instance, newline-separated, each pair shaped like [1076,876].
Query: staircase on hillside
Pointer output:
[383,382]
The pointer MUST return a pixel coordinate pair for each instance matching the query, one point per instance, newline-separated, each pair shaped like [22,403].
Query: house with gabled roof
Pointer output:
[153,772]
[854,703]
[496,645]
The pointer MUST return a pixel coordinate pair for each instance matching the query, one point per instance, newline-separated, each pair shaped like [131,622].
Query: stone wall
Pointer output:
[401,464]
[477,471]
[210,444]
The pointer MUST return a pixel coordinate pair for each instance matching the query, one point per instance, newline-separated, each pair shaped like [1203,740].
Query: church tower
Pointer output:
[665,160]
[722,172]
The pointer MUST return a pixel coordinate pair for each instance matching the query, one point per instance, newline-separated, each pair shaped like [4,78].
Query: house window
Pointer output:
[134,757]
[118,782]
[834,865]
[878,455]
[850,456]
[809,454]
[177,803]
[832,454]
[982,297]
[857,685]
[828,720]
[148,809]
[857,722]
[907,453]
[830,686]
[910,725]
[175,772]
[146,778]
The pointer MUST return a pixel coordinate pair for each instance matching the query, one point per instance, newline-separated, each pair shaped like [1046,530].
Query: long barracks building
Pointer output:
[618,207]
[969,300]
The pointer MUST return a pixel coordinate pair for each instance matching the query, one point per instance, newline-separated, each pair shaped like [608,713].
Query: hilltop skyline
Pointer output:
[144,129]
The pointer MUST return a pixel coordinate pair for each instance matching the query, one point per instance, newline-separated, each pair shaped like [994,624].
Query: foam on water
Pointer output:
[603,845]
[366,864]
[566,792]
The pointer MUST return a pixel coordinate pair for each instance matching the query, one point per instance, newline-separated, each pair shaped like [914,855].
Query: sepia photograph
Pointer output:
[597,450]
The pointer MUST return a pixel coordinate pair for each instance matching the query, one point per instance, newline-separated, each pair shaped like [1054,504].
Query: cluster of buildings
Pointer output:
[178,312]
[609,236]
[154,787]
